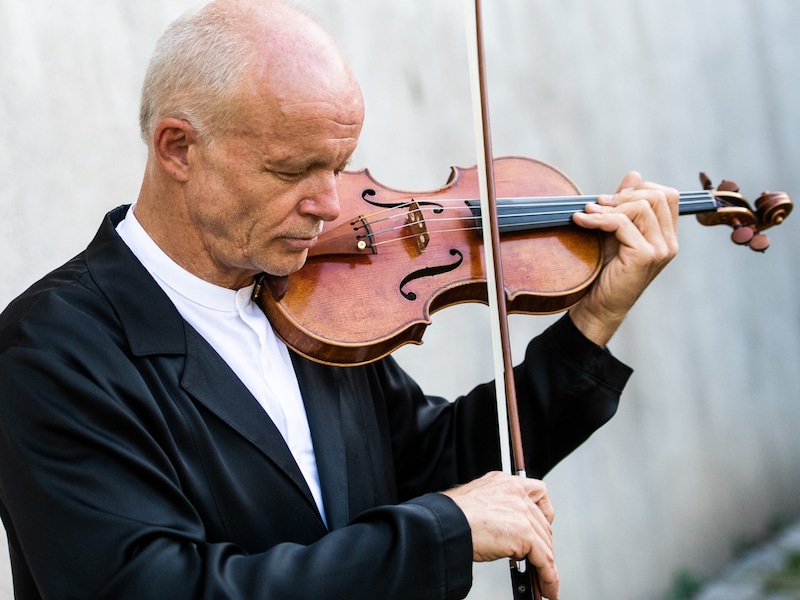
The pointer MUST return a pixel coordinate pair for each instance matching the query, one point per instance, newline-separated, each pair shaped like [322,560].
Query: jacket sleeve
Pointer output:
[567,388]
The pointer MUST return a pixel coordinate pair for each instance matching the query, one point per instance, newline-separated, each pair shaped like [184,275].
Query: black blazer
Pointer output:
[134,464]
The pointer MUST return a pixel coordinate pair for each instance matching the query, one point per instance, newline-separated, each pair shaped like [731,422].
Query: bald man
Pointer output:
[158,441]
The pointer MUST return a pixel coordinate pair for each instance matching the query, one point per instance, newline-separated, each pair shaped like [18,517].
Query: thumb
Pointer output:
[630,181]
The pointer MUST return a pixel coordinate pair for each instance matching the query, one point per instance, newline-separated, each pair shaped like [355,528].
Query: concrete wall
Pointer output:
[704,450]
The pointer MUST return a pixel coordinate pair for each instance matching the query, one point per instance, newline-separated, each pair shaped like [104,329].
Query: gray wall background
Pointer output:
[705,448]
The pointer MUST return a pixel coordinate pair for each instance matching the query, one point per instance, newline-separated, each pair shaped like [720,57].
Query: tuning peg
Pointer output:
[742,234]
[759,243]
[746,235]
[728,186]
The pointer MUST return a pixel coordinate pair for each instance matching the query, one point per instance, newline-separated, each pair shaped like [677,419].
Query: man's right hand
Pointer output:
[510,517]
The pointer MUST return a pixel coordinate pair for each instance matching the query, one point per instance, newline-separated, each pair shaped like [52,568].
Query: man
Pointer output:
[157,440]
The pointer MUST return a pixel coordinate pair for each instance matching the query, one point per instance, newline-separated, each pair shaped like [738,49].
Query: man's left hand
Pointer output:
[641,220]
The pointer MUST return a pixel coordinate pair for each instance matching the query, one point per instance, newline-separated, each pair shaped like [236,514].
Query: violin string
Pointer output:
[461,203]
[397,211]
[398,214]
[439,219]
[523,202]
[438,231]
[400,210]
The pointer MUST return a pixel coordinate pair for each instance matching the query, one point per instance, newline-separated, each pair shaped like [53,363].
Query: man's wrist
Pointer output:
[598,330]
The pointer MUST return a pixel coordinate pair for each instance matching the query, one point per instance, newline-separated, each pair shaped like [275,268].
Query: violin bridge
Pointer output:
[416,224]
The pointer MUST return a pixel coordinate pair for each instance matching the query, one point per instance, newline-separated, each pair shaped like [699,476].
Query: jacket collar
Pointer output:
[151,322]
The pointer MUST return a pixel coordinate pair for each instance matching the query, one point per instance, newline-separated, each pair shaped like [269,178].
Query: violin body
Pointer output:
[393,258]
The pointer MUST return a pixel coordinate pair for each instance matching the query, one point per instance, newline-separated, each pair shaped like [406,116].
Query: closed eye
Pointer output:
[288,175]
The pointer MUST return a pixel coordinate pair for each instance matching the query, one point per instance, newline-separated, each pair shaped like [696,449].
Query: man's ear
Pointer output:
[171,141]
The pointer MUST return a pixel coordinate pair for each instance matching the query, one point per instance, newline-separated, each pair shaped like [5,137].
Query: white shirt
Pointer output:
[239,331]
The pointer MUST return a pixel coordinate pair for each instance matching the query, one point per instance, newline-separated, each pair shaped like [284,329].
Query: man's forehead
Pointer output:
[302,119]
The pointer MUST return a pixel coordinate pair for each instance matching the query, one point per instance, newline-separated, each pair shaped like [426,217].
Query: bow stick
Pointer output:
[523,578]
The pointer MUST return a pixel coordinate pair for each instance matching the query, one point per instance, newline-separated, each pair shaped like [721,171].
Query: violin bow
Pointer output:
[524,580]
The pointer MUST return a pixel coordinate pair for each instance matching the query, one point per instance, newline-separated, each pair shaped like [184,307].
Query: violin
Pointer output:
[393,258]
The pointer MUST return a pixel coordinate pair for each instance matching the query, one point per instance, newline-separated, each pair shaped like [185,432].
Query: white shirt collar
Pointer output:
[178,279]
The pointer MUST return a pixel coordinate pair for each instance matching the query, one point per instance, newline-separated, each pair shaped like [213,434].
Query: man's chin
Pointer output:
[291,265]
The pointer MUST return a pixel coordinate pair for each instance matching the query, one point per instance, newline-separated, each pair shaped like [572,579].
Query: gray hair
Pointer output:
[195,72]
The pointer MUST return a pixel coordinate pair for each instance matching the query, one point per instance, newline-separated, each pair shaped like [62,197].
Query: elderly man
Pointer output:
[158,441]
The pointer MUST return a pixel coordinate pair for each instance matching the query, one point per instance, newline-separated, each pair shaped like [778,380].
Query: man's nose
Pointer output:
[322,198]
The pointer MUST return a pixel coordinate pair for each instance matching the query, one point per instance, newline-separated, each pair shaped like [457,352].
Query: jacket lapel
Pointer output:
[153,326]
[212,383]
[321,389]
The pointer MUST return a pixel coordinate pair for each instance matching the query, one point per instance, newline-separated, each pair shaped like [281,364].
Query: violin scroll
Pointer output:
[771,208]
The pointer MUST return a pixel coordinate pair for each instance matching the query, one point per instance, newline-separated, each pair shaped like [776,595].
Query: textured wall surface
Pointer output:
[704,450]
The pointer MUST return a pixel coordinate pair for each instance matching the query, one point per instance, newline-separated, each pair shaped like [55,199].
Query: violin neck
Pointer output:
[526,214]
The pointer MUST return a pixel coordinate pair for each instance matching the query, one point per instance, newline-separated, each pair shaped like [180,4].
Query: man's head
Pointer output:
[249,111]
